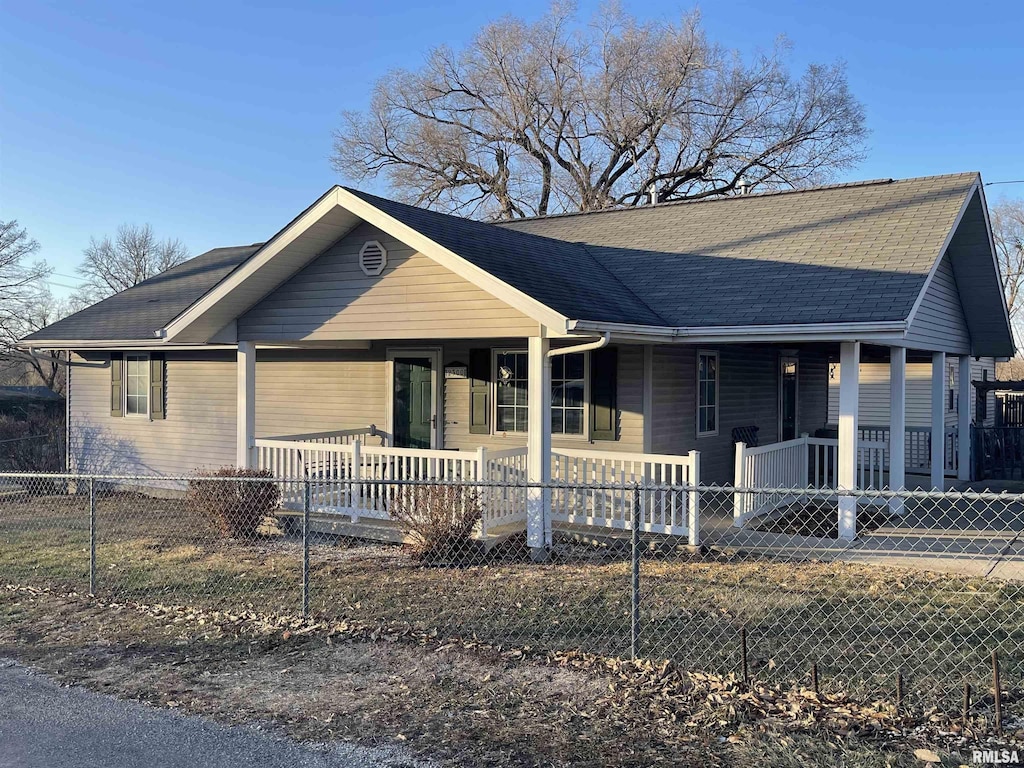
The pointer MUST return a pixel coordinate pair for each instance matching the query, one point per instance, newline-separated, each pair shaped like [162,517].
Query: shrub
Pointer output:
[439,519]
[237,508]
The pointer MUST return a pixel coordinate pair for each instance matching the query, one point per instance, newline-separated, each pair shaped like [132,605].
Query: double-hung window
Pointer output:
[707,394]
[511,390]
[136,385]
[568,392]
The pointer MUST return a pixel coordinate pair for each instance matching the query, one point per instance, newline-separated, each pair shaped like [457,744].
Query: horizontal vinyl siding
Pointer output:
[939,324]
[317,391]
[874,392]
[748,395]
[630,403]
[199,431]
[415,296]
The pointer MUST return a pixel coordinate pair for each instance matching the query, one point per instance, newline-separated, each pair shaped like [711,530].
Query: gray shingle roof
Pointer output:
[140,312]
[847,253]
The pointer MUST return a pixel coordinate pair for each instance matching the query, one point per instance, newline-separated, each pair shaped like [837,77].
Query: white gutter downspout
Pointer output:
[602,342]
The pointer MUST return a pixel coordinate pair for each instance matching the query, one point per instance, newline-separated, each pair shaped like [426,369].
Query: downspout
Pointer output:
[602,342]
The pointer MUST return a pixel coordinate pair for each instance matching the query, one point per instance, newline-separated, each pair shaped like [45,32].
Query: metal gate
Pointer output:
[998,453]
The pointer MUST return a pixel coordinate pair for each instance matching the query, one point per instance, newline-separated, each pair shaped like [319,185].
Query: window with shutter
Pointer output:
[479,391]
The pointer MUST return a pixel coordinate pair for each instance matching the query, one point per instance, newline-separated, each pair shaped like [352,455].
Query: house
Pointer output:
[372,340]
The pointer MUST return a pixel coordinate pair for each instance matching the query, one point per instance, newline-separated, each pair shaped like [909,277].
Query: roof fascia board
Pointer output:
[995,262]
[117,344]
[942,252]
[883,332]
[270,249]
[367,212]
[481,278]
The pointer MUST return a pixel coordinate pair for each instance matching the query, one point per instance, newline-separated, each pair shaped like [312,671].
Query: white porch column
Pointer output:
[246,417]
[966,403]
[538,508]
[849,404]
[938,458]
[897,424]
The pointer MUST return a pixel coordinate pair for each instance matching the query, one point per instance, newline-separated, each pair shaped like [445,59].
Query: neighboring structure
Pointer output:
[617,345]
[22,398]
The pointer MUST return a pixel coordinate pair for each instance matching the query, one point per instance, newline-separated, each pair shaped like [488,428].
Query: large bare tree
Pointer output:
[115,264]
[25,306]
[1008,232]
[537,118]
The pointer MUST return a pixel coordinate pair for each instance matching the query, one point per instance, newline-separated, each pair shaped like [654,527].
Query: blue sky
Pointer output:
[212,121]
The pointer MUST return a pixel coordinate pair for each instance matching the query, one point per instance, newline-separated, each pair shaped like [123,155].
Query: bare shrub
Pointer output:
[439,519]
[238,509]
[32,440]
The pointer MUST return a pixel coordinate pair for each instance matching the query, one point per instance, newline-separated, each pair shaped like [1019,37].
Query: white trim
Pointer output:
[718,380]
[341,198]
[938,421]
[887,332]
[495,351]
[783,359]
[436,379]
[245,403]
[144,356]
[648,398]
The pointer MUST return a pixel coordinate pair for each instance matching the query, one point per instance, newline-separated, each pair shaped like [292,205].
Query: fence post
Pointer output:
[305,547]
[485,493]
[693,507]
[92,535]
[634,557]
[739,481]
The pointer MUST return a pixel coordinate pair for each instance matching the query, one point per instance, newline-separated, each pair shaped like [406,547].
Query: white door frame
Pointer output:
[783,359]
[437,381]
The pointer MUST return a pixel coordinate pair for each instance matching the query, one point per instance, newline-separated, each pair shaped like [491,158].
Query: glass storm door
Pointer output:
[787,398]
[414,402]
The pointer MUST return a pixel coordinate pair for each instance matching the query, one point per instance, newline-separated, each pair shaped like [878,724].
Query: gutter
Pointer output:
[585,347]
[890,330]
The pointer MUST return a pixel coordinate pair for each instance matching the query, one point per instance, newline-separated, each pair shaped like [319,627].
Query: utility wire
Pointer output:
[992,183]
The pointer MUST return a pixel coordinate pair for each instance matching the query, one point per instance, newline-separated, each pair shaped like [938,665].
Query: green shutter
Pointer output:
[604,414]
[116,384]
[156,386]
[480,391]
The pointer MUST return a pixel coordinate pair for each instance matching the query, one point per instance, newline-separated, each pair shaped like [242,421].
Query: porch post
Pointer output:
[938,458]
[246,403]
[538,510]
[966,399]
[897,424]
[849,403]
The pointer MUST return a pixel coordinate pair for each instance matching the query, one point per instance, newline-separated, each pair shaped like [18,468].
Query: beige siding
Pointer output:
[874,392]
[413,298]
[630,402]
[316,391]
[199,431]
[939,324]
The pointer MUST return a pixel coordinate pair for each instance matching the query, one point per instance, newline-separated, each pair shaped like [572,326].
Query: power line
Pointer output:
[993,183]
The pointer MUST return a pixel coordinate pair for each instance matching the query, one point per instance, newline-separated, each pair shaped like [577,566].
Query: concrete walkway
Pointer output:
[43,725]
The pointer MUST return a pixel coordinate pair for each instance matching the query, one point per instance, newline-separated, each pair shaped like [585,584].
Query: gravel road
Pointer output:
[44,725]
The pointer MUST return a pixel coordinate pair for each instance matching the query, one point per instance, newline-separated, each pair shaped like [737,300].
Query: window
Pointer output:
[952,388]
[707,394]
[567,393]
[136,385]
[511,391]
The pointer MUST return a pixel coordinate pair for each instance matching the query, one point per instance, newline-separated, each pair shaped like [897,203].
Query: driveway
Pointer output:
[44,725]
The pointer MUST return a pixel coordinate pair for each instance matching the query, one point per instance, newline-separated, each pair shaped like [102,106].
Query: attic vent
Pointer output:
[372,258]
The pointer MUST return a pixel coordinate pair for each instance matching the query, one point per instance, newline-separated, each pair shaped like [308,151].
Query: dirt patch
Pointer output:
[465,702]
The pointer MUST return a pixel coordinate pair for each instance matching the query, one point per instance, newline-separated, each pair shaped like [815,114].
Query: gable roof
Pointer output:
[855,255]
[141,312]
[847,253]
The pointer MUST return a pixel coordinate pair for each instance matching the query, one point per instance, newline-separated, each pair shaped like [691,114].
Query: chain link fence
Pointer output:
[921,603]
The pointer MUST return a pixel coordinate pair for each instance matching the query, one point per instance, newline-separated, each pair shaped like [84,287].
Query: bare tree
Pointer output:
[1008,232]
[36,310]
[25,306]
[115,264]
[554,116]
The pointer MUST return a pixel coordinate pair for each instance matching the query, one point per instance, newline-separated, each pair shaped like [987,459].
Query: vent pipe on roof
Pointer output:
[744,186]
[653,192]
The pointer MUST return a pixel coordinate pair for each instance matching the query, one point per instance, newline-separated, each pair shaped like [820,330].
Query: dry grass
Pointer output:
[860,624]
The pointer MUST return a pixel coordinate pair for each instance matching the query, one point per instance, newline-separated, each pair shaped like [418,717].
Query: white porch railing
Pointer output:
[362,481]
[806,462]
[918,450]
[335,437]
[662,510]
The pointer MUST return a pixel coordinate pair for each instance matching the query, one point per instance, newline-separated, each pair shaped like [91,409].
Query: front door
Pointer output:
[788,396]
[413,402]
